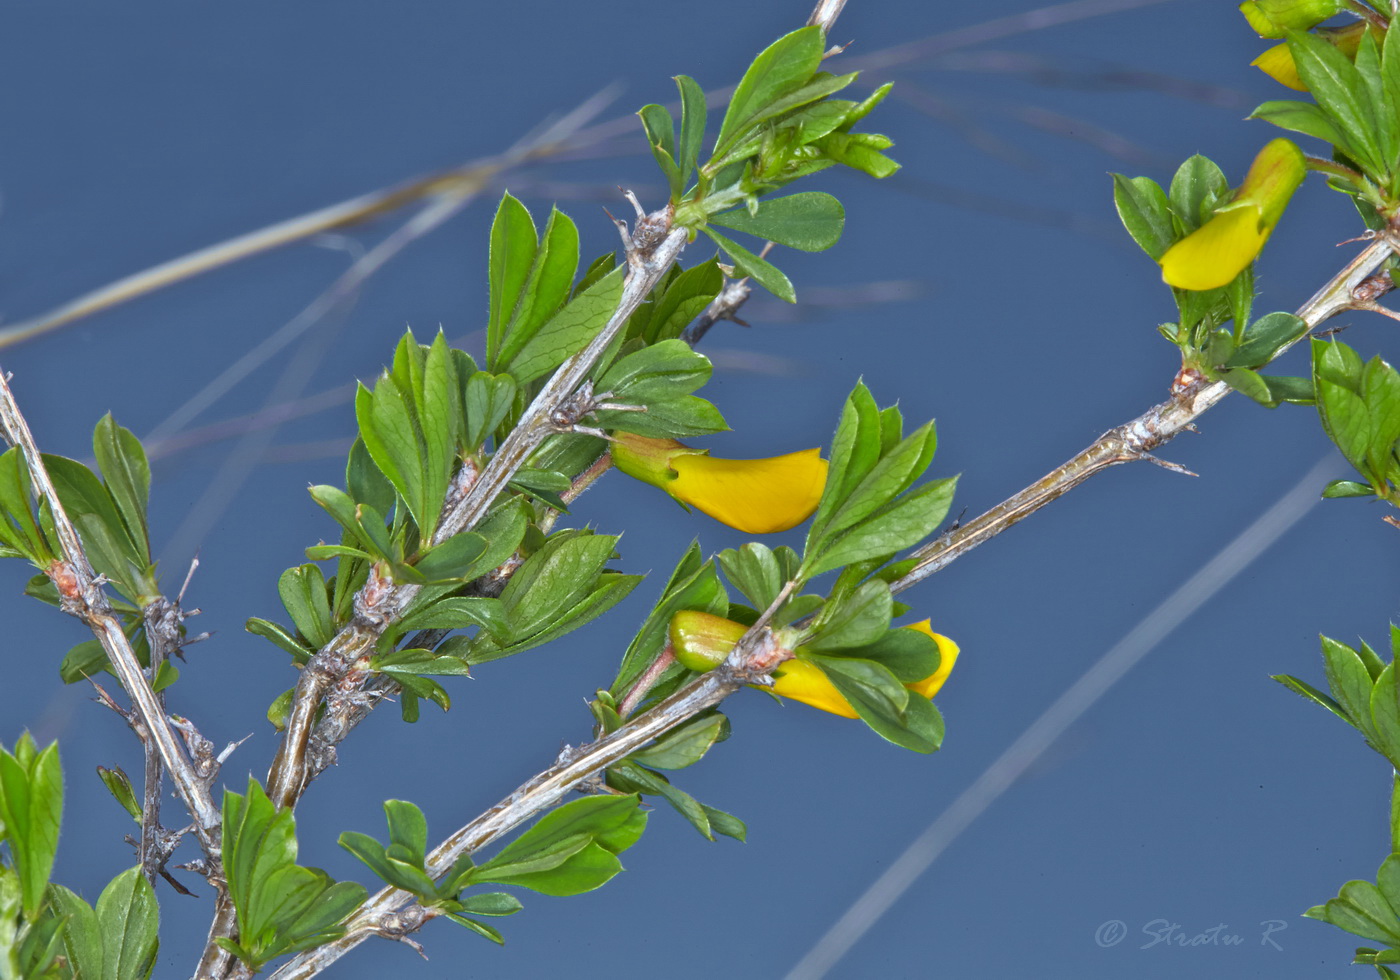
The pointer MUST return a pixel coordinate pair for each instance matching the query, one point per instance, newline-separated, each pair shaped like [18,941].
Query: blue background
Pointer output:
[1012,308]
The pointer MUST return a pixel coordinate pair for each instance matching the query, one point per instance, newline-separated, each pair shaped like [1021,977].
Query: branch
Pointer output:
[1133,441]
[81,595]
[756,653]
[379,603]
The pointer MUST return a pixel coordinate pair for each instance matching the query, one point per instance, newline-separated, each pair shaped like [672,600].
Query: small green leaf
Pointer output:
[692,124]
[1143,208]
[513,245]
[31,807]
[782,67]
[126,472]
[281,636]
[686,744]
[1266,338]
[303,592]
[119,785]
[810,221]
[763,272]
[1300,117]
[569,330]
[1196,189]
[454,559]
[128,919]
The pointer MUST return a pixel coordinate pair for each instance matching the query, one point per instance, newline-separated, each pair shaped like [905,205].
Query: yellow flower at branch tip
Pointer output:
[756,496]
[1275,18]
[1220,249]
[803,681]
[1277,62]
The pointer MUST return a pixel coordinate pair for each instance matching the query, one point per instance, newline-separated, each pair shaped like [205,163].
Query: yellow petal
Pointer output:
[948,654]
[1217,251]
[757,496]
[802,681]
[1277,63]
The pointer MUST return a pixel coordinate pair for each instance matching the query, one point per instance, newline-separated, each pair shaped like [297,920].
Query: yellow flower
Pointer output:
[1277,62]
[756,496]
[803,681]
[1220,249]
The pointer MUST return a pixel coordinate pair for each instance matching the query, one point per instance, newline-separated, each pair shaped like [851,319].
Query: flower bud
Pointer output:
[1275,18]
[701,641]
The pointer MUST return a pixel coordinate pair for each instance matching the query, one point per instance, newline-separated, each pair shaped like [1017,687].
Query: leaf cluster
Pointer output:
[1359,405]
[571,850]
[1353,111]
[281,906]
[781,124]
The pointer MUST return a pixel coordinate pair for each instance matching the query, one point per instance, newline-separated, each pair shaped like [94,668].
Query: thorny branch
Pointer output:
[755,653]
[81,595]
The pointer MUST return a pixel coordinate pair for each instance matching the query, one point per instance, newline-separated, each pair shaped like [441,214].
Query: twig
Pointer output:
[756,653]
[82,596]
[1134,440]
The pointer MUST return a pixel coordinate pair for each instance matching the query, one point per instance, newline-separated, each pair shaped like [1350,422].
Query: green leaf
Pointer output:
[725,823]
[857,620]
[513,245]
[82,939]
[303,591]
[1385,716]
[571,849]
[895,472]
[127,919]
[19,529]
[855,450]
[1349,681]
[1337,86]
[460,612]
[782,67]
[810,221]
[364,480]
[1306,690]
[674,418]
[668,369]
[911,655]
[1360,908]
[913,723]
[554,579]
[31,807]
[1143,208]
[661,137]
[126,472]
[85,660]
[764,273]
[1348,488]
[487,400]
[1345,420]
[755,571]
[569,330]
[491,903]
[1300,117]
[119,785]
[454,559]
[1266,338]
[111,548]
[546,289]
[279,635]
[692,125]
[686,744]
[1380,389]
[1197,188]
[684,299]
[417,662]
[630,777]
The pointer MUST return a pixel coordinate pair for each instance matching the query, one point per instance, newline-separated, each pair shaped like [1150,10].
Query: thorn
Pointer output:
[1391,520]
[636,204]
[1167,465]
[229,749]
[170,880]
[194,564]
[1375,307]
